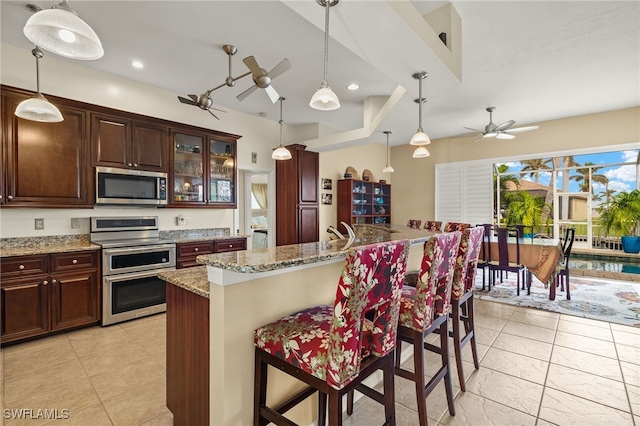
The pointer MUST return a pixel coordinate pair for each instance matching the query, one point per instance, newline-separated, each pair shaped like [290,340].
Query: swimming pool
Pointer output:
[605,263]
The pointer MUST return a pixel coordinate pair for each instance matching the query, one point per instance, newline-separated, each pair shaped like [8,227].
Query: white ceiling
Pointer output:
[534,61]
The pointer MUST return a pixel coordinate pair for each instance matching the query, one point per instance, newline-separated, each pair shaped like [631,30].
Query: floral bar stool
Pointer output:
[455,226]
[462,297]
[323,345]
[433,225]
[414,223]
[425,309]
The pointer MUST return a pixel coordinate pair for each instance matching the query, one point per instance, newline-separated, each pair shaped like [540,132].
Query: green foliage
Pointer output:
[622,214]
[525,209]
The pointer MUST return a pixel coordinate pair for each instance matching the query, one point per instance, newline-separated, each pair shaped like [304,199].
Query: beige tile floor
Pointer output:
[537,368]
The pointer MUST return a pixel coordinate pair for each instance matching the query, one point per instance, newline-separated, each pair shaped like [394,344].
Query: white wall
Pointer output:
[74,81]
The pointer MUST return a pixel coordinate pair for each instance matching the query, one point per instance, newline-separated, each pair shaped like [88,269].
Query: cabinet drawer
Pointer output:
[194,249]
[23,265]
[221,246]
[73,261]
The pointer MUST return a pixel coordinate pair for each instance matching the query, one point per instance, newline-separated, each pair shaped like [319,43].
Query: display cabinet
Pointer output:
[362,201]
[204,170]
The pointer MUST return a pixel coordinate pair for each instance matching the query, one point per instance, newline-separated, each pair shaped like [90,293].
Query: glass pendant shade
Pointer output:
[421,152]
[324,99]
[281,153]
[420,138]
[503,135]
[38,108]
[388,169]
[61,31]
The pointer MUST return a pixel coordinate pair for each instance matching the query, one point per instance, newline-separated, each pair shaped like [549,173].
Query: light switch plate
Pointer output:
[181,220]
[75,223]
[254,157]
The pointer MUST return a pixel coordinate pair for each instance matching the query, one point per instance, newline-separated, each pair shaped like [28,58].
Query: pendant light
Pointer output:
[388,168]
[281,153]
[420,138]
[38,108]
[60,30]
[324,99]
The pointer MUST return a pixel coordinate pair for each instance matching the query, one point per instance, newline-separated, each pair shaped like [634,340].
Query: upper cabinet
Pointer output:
[119,142]
[44,164]
[203,169]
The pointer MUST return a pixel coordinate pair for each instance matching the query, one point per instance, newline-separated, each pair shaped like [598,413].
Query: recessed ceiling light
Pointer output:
[137,64]
[353,86]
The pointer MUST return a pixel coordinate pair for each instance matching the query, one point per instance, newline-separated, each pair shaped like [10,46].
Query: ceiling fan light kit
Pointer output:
[281,153]
[325,99]
[388,168]
[502,131]
[420,138]
[38,108]
[60,30]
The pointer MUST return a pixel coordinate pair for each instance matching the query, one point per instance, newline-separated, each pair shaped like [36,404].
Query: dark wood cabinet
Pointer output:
[297,197]
[362,201]
[42,294]
[45,164]
[203,171]
[187,252]
[119,142]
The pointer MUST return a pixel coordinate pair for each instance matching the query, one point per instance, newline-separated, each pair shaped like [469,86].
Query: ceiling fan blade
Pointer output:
[523,129]
[194,97]
[187,101]
[213,114]
[504,135]
[283,66]
[504,126]
[252,64]
[474,130]
[273,94]
[479,139]
[217,109]
[242,96]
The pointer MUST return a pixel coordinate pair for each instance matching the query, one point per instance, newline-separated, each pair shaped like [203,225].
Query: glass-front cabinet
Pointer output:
[204,170]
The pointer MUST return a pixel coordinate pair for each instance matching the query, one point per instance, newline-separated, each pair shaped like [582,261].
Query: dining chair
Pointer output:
[462,307]
[504,263]
[414,223]
[485,260]
[425,309]
[433,225]
[562,278]
[455,226]
[323,346]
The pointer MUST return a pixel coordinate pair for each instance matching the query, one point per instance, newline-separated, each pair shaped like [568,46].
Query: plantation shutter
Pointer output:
[464,192]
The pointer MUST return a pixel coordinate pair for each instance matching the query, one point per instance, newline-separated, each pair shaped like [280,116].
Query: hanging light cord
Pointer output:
[420,104]
[325,82]
[281,122]
[38,54]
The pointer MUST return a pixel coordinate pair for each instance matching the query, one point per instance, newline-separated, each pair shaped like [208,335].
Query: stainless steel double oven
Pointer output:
[132,255]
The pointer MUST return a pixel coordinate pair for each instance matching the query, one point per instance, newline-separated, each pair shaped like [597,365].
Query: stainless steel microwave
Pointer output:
[132,187]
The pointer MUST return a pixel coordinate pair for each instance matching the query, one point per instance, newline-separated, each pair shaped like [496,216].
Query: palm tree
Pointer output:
[525,209]
[500,179]
[534,167]
[582,176]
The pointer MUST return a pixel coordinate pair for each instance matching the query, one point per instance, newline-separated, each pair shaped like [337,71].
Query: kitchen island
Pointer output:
[246,290]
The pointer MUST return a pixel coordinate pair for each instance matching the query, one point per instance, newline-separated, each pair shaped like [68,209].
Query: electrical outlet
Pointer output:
[181,220]
[254,157]
[39,223]
[75,223]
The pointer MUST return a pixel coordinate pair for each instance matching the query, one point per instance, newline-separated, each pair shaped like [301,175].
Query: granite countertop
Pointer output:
[193,235]
[194,279]
[43,245]
[274,258]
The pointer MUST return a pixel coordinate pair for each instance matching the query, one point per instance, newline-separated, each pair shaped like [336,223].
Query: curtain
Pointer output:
[261,193]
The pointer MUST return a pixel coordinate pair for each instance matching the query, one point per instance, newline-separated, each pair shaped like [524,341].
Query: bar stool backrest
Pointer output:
[414,223]
[467,262]
[433,225]
[455,226]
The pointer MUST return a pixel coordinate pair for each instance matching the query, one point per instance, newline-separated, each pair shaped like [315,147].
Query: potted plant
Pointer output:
[622,216]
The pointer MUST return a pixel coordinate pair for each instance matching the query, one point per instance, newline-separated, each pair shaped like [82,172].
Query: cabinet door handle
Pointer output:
[129,164]
[196,249]
[74,261]
[21,267]
[9,197]
[230,245]
[135,165]
[0,197]
[45,282]
[54,281]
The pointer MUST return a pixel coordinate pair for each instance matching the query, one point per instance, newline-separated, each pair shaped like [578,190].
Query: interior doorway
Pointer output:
[259,217]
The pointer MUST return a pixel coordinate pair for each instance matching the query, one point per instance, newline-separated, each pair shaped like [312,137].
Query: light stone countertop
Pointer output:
[275,258]
[192,279]
[194,235]
[26,246]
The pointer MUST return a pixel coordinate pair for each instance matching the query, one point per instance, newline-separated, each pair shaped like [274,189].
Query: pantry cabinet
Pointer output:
[42,294]
[44,164]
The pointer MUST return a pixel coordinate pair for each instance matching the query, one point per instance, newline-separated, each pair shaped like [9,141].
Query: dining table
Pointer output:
[542,259]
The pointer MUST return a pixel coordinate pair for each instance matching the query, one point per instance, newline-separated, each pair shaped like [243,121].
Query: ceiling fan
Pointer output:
[262,78]
[502,131]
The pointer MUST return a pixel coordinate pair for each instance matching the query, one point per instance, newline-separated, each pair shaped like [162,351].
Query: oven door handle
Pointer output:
[116,251]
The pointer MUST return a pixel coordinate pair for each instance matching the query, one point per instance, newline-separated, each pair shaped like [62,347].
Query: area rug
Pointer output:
[601,299]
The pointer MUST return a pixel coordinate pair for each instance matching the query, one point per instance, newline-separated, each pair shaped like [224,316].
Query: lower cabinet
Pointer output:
[187,252]
[42,294]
